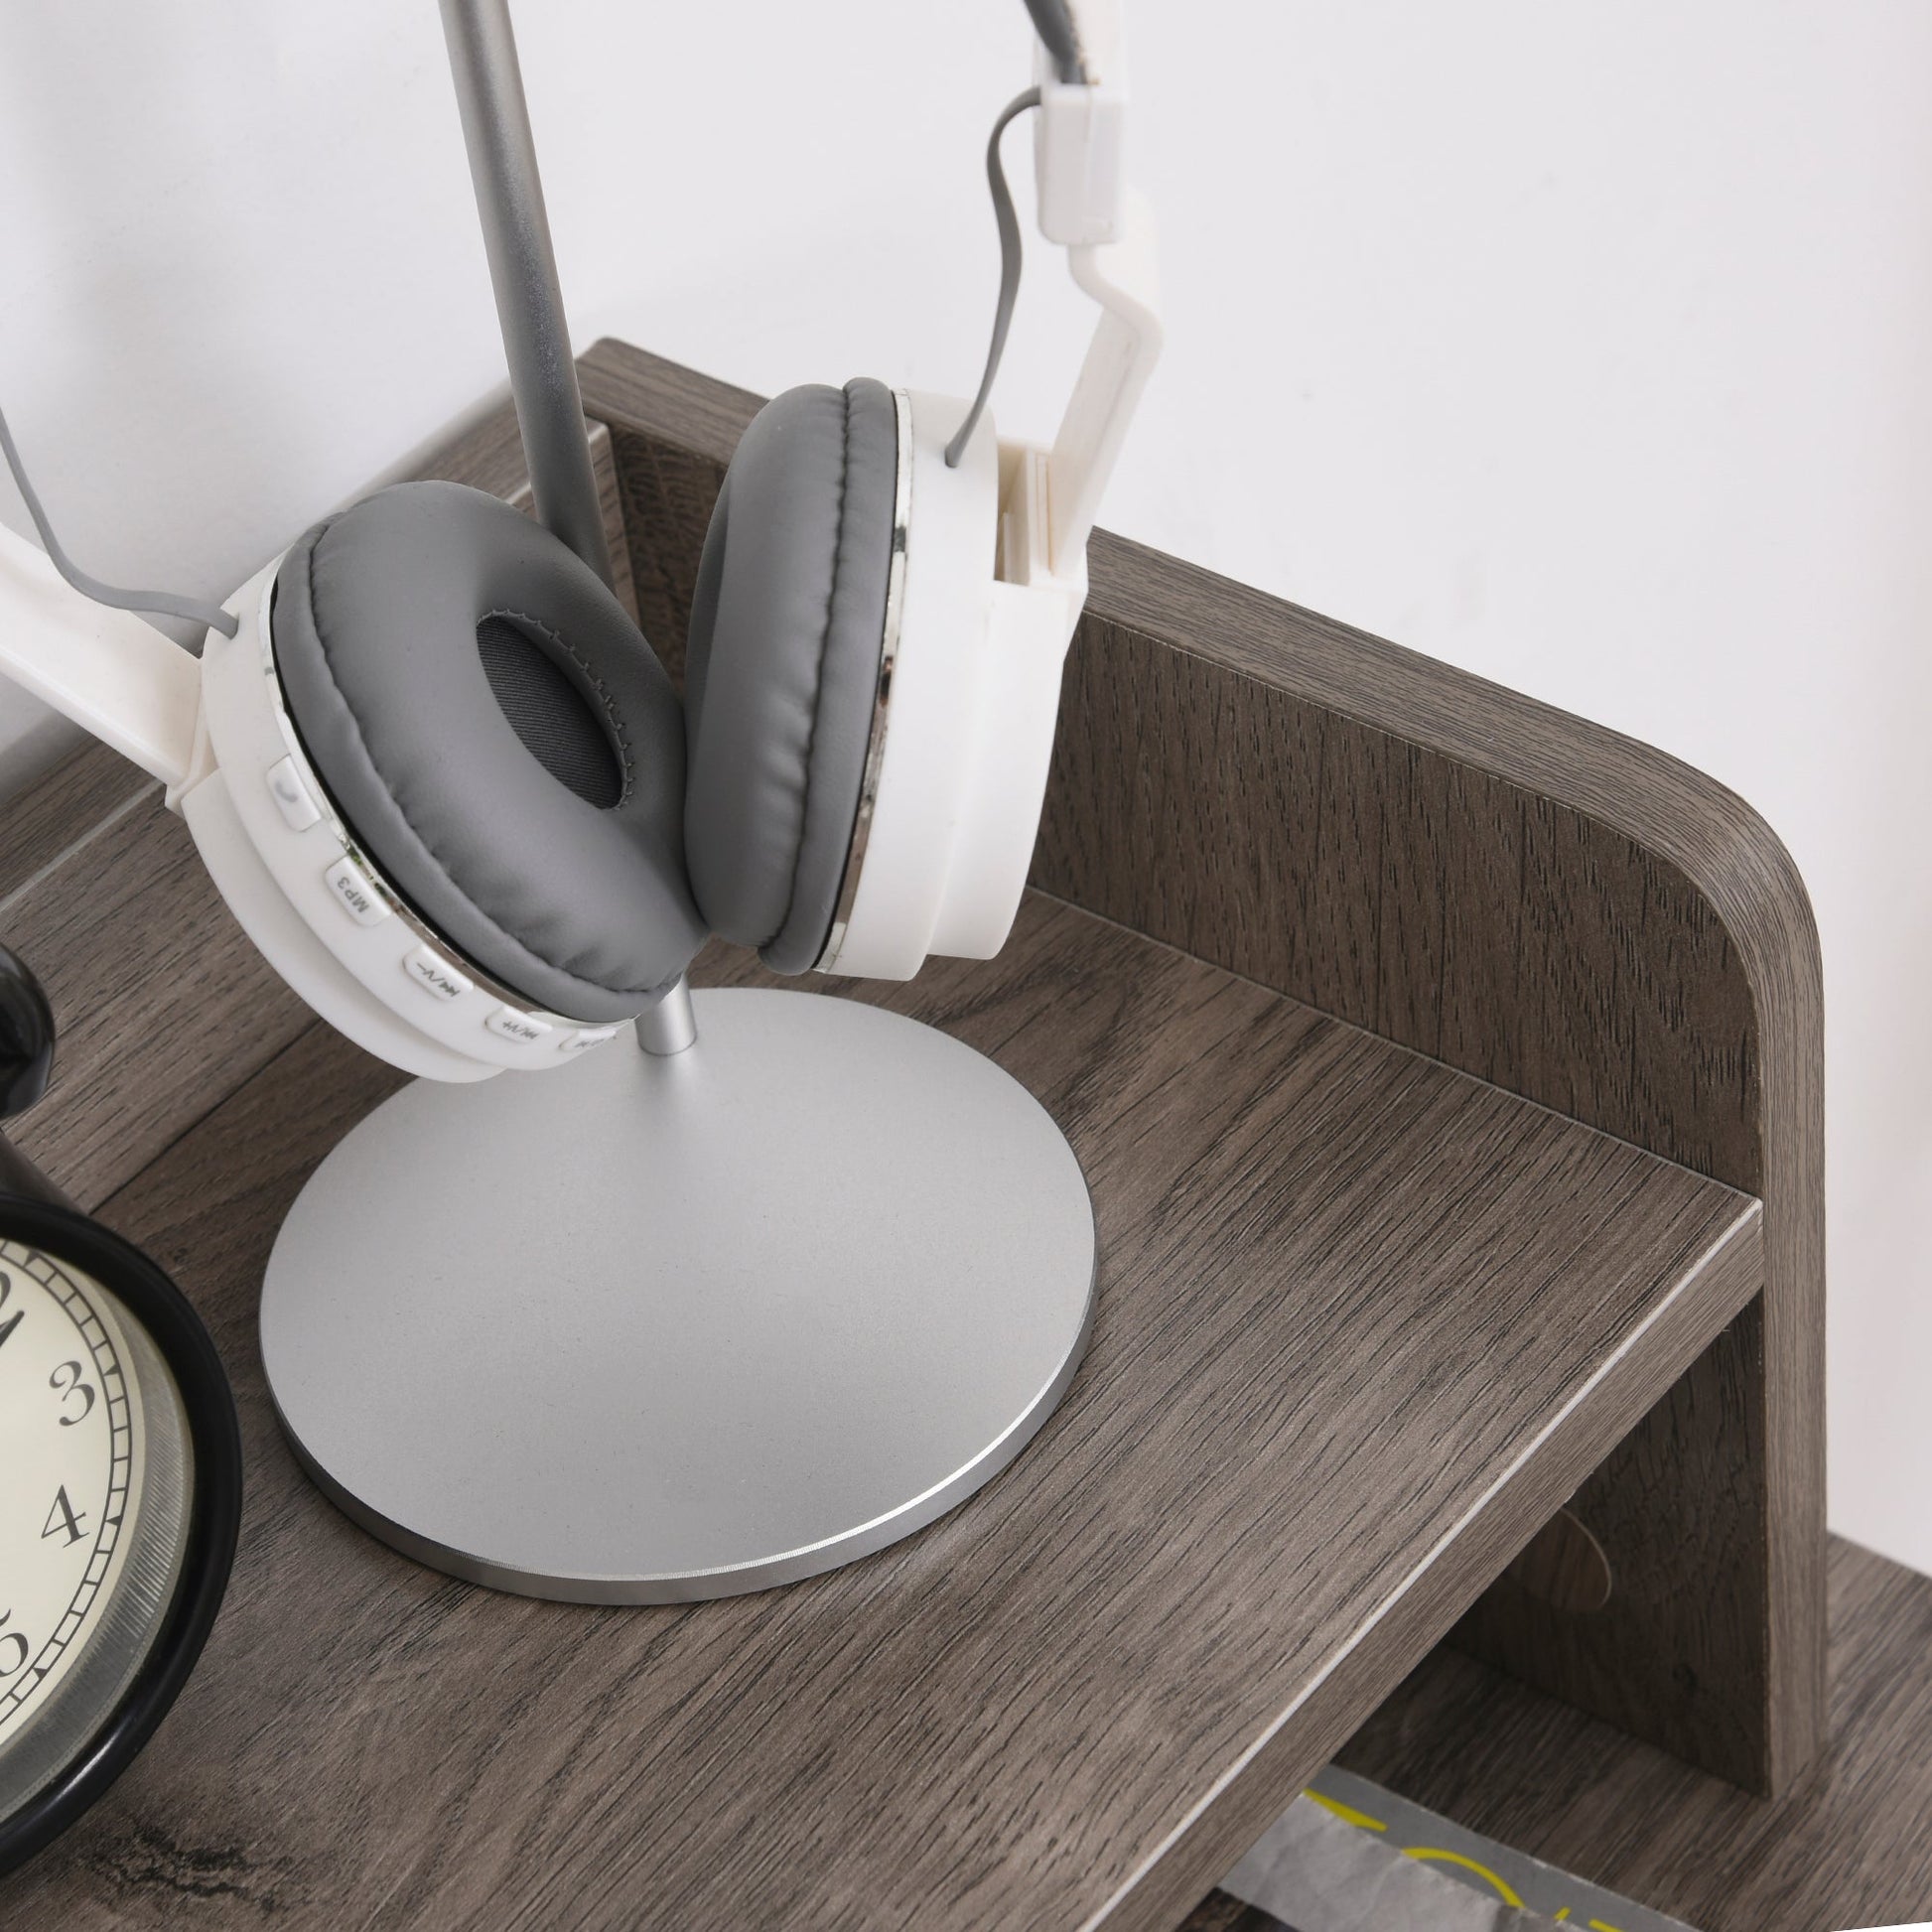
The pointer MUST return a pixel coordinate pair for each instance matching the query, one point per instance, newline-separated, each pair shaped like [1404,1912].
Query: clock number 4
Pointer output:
[13,1321]
[62,1518]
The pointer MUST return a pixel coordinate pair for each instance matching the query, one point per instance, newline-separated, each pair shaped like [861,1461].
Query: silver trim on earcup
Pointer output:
[882,699]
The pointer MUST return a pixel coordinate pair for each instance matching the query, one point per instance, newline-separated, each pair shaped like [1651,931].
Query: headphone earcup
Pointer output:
[781,675]
[501,739]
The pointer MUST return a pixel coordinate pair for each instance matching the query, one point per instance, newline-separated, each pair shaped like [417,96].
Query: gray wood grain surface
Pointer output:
[1363,1322]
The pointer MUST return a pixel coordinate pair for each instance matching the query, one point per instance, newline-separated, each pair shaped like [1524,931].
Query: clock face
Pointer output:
[69,1423]
[94,1464]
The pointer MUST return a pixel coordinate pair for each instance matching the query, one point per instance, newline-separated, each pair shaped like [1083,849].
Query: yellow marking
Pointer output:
[1347,1813]
[1562,1915]
[1425,1854]
[1597,1925]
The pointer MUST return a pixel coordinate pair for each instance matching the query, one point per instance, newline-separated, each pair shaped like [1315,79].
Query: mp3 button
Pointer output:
[356,893]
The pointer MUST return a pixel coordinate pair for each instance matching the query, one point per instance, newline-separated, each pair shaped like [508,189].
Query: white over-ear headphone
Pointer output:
[444,786]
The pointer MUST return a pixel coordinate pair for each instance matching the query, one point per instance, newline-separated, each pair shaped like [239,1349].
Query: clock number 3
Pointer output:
[66,1380]
[62,1518]
[13,1648]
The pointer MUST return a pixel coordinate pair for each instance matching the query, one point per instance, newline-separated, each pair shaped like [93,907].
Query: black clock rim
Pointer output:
[215,1511]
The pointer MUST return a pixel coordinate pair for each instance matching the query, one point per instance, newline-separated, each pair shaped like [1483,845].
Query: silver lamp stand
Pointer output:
[759,1296]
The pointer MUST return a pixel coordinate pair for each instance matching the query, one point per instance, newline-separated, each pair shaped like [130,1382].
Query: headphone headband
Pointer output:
[994,585]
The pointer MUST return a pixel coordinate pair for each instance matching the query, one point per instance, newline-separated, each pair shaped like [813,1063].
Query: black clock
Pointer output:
[120,1479]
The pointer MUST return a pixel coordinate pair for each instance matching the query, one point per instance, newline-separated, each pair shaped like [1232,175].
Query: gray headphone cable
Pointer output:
[1008,225]
[160,604]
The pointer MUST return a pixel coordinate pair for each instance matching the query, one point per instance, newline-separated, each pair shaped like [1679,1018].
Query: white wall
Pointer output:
[1584,345]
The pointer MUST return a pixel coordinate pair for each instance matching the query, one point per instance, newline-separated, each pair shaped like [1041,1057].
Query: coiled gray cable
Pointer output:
[159,603]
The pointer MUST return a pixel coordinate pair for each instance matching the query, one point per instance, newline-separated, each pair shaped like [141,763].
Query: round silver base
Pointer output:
[645,1331]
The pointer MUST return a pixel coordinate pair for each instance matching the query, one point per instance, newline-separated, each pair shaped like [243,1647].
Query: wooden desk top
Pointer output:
[1363,1322]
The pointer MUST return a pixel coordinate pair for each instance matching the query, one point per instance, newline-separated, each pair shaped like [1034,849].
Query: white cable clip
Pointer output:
[1079,137]
[1107,229]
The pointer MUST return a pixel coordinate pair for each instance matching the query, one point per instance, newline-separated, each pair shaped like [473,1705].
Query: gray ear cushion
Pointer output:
[786,627]
[377,616]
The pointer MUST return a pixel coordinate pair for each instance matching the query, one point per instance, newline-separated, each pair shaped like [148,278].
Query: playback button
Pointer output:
[435,975]
[507,1024]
